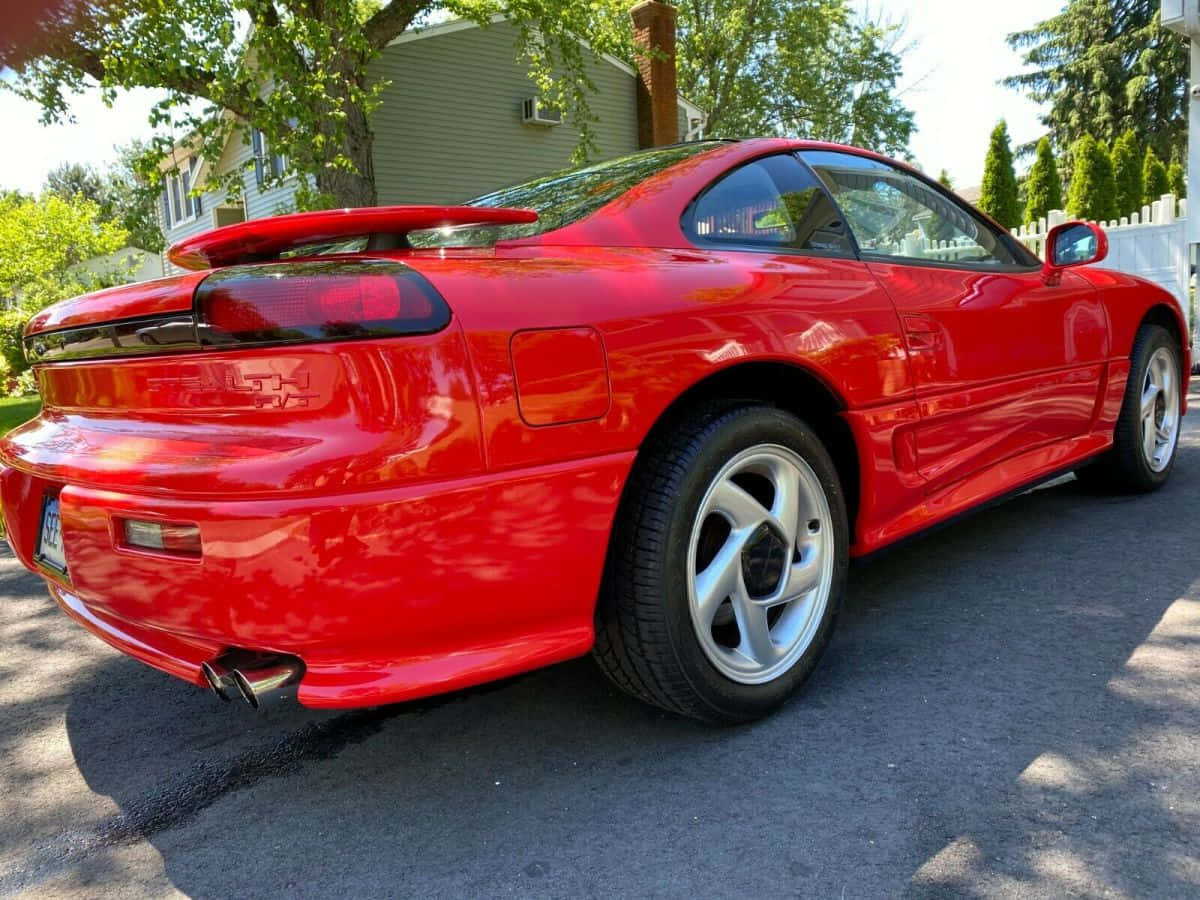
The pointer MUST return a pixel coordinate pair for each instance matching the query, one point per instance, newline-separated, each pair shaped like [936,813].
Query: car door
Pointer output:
[1001,361]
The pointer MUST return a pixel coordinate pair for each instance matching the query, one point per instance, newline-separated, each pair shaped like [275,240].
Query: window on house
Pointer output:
[266,164]
[178,207]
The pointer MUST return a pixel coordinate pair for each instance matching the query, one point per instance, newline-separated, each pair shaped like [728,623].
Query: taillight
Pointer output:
[321,300]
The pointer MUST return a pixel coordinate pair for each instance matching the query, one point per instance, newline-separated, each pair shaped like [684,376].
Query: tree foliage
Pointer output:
[119,193]
[945,180]
[1105,67]
[1155,179]
[1127,173]
[1177,179]
[998,195]
[297,71]
[801,68]
[1093,194]
[42,242]
[1045,184]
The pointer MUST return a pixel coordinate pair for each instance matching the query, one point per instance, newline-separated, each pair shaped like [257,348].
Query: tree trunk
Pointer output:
[355,188]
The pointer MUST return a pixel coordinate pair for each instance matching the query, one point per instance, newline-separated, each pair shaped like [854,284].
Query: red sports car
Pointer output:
[648,408]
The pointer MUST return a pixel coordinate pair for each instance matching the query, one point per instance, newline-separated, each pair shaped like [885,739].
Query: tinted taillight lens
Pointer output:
[323,300]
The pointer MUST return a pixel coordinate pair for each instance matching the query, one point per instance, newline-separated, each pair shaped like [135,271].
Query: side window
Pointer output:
[894,215]
[771,203]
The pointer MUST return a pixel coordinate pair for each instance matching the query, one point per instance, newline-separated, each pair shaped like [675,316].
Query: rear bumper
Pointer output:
[385,595]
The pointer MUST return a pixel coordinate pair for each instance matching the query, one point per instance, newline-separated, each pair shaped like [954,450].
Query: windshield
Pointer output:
[562,197]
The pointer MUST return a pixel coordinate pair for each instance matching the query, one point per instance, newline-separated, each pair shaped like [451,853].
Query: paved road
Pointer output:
[1010,708]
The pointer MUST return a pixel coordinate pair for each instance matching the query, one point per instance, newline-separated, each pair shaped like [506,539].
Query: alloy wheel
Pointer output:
[760,564]
[1160,409]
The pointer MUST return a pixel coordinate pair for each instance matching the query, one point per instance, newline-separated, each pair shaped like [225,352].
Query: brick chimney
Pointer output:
[654,30]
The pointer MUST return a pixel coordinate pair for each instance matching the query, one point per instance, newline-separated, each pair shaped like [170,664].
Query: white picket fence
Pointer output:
[1151,243]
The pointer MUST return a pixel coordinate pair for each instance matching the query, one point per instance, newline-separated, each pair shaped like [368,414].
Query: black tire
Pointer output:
[645,639]
[1124,467]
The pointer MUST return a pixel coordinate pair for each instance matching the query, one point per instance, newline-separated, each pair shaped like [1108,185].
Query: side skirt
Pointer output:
[994,485]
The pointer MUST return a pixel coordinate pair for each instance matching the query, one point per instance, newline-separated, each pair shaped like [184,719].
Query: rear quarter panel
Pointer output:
[668,319]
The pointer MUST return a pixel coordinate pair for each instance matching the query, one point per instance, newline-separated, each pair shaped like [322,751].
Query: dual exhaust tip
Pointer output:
[258,678]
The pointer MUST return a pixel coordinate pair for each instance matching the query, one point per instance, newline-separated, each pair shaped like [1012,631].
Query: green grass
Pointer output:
[15,411]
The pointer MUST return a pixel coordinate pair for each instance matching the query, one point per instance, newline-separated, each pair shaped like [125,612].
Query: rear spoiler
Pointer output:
[259,240]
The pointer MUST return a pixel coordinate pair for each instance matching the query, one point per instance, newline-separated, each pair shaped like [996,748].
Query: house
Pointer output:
[458,118]
[135,263]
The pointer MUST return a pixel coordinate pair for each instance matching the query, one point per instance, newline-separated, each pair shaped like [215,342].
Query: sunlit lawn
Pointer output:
[16,410]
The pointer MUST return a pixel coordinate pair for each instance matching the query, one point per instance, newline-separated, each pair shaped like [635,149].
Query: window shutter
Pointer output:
[166,210]
[256,145]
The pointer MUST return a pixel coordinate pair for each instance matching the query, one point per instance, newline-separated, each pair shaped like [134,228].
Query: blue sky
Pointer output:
[949,81]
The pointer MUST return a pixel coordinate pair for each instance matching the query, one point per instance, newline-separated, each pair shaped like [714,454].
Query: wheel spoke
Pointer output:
[756,643]
[785,508]
[1149,435]
[737,505]
[806,575]
[720,578]
[1148,398]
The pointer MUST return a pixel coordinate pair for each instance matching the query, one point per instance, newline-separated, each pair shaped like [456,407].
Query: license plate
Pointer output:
[50,543]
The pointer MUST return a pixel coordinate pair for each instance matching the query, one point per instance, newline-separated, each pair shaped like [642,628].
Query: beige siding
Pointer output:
[449,126]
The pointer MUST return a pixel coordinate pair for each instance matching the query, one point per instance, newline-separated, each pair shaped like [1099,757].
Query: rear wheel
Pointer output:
[727,567]
[1147,432]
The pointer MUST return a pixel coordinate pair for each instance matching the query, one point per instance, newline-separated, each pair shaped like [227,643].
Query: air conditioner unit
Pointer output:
[535,112]
[1182,16]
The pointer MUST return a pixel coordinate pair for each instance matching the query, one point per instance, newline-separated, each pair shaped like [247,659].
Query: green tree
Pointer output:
[1177,179]
[1093,194]
[1155,179]
[1045,184]
[71,179]
[802,68]
[119,192]
[945,180]
[998,195]
[42,242]
[1127,173]
[1104,67]
[135,198]
[297,71]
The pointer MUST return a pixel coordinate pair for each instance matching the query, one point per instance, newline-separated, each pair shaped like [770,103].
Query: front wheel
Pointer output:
[1147,433]
[727,567]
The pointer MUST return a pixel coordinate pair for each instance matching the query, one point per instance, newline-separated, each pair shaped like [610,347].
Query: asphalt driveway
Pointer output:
[1011,707]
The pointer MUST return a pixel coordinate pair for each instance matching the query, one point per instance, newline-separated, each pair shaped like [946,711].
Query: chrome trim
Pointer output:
[130,337]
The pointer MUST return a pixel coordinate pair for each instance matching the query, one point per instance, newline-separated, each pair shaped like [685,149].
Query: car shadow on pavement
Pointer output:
[974,728]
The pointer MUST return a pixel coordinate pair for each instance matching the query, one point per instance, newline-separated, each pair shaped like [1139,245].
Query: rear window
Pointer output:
[561,197]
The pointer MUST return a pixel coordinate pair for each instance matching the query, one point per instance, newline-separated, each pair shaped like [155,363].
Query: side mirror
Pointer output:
[1073,244]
